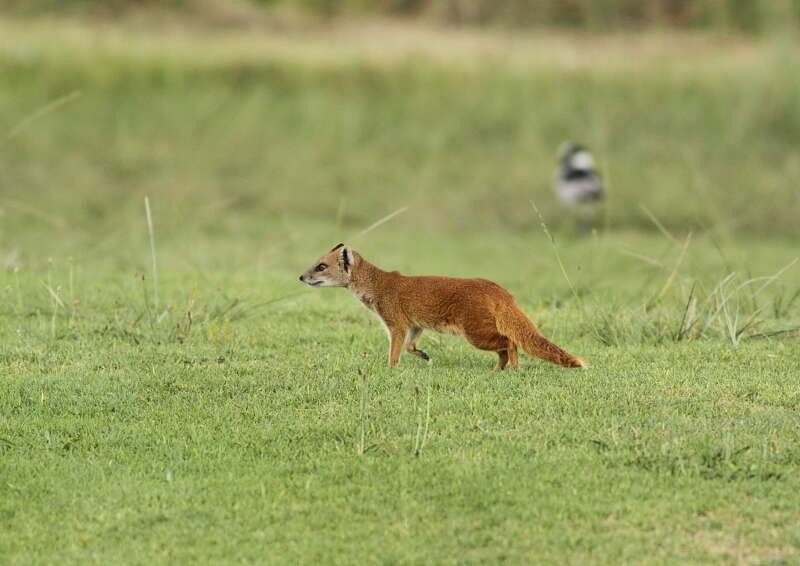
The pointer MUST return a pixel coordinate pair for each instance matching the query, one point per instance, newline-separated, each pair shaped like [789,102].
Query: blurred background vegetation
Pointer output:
[242,119]
[752,16]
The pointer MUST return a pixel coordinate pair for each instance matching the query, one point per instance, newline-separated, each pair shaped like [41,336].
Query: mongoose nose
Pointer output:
[301,278]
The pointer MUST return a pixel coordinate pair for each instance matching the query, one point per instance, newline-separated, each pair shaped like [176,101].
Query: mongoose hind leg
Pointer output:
[507,356]
[513,357]
[492,342]
[502,360]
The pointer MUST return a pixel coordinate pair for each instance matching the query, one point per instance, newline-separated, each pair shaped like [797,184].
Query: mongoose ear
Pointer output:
[336,247]
[346,258]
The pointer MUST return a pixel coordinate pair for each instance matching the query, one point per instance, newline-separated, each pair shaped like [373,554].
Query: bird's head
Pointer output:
[575,156]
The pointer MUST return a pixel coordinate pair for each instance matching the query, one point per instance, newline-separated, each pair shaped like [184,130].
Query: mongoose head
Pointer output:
[331,270]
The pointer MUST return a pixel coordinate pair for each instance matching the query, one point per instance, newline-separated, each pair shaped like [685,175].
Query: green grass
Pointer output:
[241,438]
[264,426]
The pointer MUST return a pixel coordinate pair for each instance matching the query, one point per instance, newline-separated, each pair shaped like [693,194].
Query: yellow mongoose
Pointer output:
[481,311]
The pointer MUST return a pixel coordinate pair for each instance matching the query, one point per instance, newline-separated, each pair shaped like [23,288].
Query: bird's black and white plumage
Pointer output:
[577,184]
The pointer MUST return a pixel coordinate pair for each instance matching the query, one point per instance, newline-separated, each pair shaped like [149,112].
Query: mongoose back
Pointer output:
[481,311]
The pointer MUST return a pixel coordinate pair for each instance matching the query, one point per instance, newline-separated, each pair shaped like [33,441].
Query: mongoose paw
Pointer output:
[422,354]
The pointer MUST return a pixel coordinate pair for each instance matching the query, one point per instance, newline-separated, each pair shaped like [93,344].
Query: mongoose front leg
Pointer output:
[396,339]
[412,336]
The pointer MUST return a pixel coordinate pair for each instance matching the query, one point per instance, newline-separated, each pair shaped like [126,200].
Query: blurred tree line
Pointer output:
[753,16]
[740,15]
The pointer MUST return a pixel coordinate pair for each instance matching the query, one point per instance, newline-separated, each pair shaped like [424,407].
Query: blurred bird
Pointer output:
[577,184]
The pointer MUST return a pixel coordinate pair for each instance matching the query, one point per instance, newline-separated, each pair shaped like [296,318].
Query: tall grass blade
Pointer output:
[54,295]
[555,250]
[675,269]
[362,415]
[658,224]
[383,220]
[152,250]
[686,320]
[421,439]
[768,280]
[43,111]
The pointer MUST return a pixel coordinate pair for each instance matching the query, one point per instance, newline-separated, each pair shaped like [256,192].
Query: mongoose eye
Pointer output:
[321,267]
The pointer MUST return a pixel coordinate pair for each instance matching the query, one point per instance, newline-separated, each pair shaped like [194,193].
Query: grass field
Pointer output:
[213,409]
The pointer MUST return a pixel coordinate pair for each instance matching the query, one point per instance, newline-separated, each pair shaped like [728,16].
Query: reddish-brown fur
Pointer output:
[481,311]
